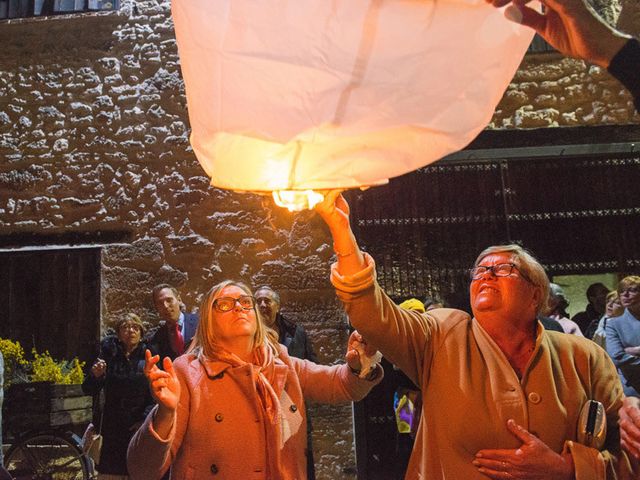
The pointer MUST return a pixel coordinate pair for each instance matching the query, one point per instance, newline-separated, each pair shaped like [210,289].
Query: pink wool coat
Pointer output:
[218,430]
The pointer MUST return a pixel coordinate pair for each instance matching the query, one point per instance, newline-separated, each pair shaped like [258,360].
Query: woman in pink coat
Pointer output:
[232,407]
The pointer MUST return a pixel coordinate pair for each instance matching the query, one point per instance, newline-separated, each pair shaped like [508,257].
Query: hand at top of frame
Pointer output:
[570,26]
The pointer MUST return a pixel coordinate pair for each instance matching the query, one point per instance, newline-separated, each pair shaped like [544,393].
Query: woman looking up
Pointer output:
[234,404]
[502,397]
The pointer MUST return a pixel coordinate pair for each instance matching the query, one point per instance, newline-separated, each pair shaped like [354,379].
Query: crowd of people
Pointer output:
[504,396]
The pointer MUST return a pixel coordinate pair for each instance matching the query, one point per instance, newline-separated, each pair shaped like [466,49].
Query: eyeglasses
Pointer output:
[225,304]
[630,290]
[130,326]
[499,270]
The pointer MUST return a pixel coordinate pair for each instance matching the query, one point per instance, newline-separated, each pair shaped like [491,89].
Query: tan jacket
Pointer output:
[218,429]
[470,390]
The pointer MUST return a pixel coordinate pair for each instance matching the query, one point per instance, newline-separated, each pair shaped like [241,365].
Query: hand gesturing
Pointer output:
[164,384]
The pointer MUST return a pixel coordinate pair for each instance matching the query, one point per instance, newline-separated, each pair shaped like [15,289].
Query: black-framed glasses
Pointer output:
[225,304]
[499,270]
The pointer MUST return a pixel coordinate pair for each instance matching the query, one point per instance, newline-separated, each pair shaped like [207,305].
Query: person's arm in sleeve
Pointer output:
[153,447]
[575,29]
[338,383]
[404,337]
[95,377]
[630,429]
[611,460]
[628,364]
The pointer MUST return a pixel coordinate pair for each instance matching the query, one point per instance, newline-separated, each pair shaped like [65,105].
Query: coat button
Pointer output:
[219,417]
[293,408]
[214,468]
[534,397]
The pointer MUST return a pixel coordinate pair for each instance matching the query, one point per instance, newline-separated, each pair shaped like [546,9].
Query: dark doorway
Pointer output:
[51,300]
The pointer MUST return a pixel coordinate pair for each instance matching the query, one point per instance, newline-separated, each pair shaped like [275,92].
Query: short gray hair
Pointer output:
[528,266]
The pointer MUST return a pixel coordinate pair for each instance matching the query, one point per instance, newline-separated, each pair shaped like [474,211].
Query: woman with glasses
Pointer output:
[623,336]
[502,397]
[234,404]
[118,373]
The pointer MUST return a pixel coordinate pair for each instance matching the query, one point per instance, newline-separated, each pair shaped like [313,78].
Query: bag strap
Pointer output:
[101,403]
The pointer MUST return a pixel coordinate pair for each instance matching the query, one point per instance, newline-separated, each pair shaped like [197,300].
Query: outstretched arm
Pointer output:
[570,26]
[334,210]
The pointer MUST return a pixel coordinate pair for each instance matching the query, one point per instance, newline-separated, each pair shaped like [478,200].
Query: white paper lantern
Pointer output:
[322,94]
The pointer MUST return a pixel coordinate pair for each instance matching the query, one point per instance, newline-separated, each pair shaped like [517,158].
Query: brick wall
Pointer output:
[94,139]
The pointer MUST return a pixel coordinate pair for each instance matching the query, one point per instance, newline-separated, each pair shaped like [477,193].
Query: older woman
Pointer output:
[623,335]
[501,396]
[119,371]
[233,405]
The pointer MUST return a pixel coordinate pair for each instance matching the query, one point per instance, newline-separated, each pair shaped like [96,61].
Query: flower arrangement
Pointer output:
[43,367]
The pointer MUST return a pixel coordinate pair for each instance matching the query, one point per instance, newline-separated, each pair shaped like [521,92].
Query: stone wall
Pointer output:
[94,139]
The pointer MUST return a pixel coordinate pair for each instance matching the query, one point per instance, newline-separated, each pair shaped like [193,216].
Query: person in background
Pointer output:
[597,297]
[172,337]
[623,336]
[233,405]
[574,29]
[431,303]
[407,402]
[613,309]
[119,373]
[294,337]
[558,303]
[291,335]
[502,397]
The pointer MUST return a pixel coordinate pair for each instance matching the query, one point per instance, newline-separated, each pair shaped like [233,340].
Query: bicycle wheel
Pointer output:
[47,456]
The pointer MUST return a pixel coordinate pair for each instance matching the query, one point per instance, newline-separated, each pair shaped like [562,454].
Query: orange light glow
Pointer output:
[296,200]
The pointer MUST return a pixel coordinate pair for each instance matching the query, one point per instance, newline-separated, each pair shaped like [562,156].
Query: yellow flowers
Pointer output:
[43,368]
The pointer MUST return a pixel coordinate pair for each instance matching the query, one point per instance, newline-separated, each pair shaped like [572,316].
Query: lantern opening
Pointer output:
[297,200]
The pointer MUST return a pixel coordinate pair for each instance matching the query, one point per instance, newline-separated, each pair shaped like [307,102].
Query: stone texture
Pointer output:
[94,138]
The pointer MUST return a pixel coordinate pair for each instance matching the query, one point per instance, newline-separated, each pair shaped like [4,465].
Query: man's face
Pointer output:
[167,305]
[268,305]
[599,299]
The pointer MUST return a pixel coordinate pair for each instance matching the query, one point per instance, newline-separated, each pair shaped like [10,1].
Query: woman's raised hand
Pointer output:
[164,384]
[99,368]
[334,210]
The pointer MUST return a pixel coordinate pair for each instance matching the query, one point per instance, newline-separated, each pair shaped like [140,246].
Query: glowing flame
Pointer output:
[296,200]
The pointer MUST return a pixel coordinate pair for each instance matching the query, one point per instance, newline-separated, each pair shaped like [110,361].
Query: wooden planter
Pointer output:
[40,405]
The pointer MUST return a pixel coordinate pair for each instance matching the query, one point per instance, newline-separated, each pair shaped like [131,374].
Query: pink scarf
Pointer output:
[263,364]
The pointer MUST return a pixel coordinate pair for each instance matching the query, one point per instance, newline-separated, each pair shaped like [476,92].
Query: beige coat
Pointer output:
[470,390]
[218,430]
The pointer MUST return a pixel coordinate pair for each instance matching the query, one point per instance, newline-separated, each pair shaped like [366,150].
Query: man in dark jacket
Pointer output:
[597,296]
[292,336]
[172,337]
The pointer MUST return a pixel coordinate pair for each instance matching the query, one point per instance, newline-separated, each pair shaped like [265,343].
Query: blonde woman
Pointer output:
[234,403]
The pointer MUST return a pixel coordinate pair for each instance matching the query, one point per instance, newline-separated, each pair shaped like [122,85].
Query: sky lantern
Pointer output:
[295,97]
